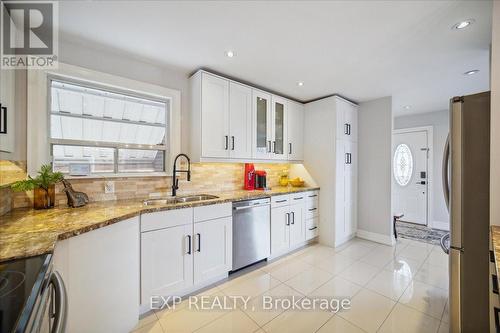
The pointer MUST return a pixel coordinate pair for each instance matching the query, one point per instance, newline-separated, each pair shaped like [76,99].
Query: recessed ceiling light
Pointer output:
[463,24]
[472,72]
[407,107]
[229,54]
[300,83]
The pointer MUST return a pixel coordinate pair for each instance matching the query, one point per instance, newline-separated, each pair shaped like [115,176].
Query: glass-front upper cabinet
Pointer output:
[279,128]
[262,132]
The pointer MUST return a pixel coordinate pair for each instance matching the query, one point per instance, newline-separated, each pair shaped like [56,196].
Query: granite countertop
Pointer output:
[29,232]
[495,237]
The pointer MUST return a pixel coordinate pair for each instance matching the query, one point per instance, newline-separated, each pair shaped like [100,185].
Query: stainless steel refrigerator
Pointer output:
[466,177]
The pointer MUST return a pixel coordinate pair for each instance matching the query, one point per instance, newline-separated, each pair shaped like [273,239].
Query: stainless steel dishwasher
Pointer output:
[251,232]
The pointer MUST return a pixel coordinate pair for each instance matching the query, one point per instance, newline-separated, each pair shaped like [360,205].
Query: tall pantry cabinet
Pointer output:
[330,156]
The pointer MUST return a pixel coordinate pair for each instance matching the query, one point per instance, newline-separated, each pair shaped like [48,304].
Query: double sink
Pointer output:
[177,200]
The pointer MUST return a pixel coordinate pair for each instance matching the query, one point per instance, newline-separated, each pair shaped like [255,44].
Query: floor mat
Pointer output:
[419,232]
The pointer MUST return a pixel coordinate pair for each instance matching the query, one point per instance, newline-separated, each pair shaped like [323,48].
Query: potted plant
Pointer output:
[43,186]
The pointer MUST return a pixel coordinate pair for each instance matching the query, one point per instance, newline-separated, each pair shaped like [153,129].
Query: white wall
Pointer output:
[374,172]
[440,123]
[495,118]
[113,62]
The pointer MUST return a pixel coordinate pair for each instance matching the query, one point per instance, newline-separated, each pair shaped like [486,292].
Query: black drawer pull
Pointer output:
[494,284]
[310,229]
[497,322]
[299,198]
[312,209]
[492,256]
[280,201]
[312,196]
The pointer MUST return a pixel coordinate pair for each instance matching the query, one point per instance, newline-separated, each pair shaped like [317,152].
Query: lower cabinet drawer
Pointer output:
[312,209]
[311,228]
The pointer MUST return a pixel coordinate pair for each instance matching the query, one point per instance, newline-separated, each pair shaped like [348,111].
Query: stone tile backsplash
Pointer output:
[205,177]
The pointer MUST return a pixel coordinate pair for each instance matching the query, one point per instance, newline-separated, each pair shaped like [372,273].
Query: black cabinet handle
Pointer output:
[226,145]
[298,198]
[348,158]
[280,201]
[189,244]
[497,321]
[232,142]
[199,242]
[293,217]
[290,148]
[312,209]
[3,120]
[312,196]
[274,147]
[494,284]
[287,217]
[269,148]
[313,228]
[346,129]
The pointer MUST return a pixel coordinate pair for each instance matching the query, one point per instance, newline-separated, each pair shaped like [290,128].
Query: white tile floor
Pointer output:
[392,289]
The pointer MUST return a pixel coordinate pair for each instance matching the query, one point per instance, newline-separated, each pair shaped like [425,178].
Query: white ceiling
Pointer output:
[359,49]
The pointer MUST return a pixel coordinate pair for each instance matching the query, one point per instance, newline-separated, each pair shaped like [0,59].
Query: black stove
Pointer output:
[21,282]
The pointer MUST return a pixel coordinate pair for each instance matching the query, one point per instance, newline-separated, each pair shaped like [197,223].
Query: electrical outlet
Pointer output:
[109,187]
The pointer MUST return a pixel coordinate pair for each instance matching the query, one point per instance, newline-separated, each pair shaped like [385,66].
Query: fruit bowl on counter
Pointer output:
[297,182]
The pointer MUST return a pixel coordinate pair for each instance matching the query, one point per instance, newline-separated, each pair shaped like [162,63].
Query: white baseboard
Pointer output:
[344,240]
[441,225]
[375,237]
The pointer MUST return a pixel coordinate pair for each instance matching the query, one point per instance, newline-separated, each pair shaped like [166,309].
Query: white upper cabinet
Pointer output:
[214,116]
[240,121]
[279,128]
[231,121]
[295,119]
[262,125]
[347,121]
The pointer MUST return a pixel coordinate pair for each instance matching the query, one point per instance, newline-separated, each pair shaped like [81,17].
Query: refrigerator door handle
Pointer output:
[455,149]
[445,166]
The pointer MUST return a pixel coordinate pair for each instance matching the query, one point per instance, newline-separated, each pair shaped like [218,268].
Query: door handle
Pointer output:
[346,129]
[293,217]
[290,148]
[189,244]
[274,147]
[226,145]
[232,142]
[446,184]
[269,148]
[61,303]
[199,243]
[287,216]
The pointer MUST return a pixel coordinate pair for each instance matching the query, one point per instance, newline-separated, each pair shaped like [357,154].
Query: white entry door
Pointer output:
[410,176]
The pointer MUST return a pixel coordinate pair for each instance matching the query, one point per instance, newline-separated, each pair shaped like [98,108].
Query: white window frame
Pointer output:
[39,111]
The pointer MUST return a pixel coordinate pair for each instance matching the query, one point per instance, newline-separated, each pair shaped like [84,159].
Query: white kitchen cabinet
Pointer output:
[288,224]
[280,230]
[346,190]
[297,225]
[7,101]
[212,249]
[231,121]
[167,261]
[262,137]
[295,135]
[214,116]
[100,270]
[240,121]
[279,128]
[347,121]
[330,156]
